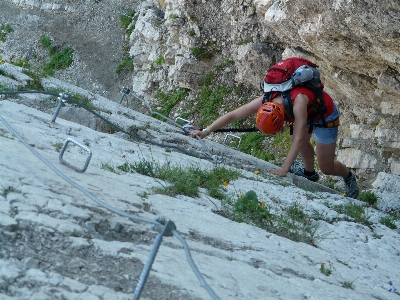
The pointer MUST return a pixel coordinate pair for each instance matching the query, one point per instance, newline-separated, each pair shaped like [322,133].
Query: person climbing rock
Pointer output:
[294,96]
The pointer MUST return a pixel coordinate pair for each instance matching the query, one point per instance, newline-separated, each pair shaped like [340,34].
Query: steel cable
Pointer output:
[193,266]
[114,125]
[74,184]
[112,209]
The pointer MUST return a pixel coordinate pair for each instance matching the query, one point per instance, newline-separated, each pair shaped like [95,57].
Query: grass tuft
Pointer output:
[292,223]
[58,59]
[170,100]
[325,271]
[4,30]
[184,181]
[388,221]
[354,211]
[368,197]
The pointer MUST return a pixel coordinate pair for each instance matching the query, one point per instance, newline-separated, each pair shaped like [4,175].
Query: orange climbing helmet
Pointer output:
[270,118]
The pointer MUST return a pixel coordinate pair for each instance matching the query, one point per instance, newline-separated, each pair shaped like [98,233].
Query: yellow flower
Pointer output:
[262,204]
[225,183]
[256,172]
[240,196]
[344,195]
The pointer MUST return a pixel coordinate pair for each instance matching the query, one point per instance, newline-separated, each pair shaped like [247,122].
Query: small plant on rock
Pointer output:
[160,60]
[58,146]
[325,271]
[58,59]
[125,65]
[368,197]
[4,30]
[8,190]
[388,221]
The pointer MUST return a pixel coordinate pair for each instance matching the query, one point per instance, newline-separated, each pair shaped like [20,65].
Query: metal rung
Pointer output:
[233,136]
[83,148]
[183,120]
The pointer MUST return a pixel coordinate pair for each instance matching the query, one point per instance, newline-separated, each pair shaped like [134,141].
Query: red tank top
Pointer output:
[310,95]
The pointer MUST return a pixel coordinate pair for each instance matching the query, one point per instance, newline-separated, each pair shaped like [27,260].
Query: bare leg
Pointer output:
[327,162]
[307,153]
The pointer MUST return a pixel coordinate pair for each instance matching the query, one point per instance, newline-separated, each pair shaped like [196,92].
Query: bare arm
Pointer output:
[299,132]
[241,112]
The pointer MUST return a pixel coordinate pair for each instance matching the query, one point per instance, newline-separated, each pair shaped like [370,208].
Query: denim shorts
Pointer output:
[326,135]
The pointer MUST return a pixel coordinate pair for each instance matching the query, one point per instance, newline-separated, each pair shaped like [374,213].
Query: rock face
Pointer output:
[355,43]
[89,235]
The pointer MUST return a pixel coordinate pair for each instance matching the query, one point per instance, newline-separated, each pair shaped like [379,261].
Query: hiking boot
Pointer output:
[351,186]
[297,168]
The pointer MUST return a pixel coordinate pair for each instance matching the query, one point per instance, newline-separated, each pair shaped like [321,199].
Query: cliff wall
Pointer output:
[355,43]
[175,44]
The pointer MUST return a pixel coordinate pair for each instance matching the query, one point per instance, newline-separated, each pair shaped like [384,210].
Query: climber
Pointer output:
[272,111]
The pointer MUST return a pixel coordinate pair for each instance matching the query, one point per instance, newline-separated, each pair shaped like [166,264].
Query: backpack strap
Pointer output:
[316,107]
[288,104]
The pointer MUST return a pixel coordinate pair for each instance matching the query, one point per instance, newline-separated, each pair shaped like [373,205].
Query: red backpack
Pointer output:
[287,74]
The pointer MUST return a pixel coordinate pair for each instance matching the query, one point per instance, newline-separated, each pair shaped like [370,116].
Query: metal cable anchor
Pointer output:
[164,231]
[125,91]
[63,98]
[229,135]
[167,223]
[89,156]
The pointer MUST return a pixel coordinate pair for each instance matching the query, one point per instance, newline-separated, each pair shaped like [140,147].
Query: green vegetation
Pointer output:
[58,146]
[173,16]
[35,83]
[388,221]
[368,197]
[354,211]
[201,53]
[107,166]
[170,100]
[74,234]
[160,60]
[349,284]
[20,62]
[225,63]
[206,107]
[272,148]
[292,223]
[126,21]
[252,143]
[127,61]
[3,88]
[8,190]
[46,42]
[209,101]
[125,65]
[58,59]
[4,30]
[184,181]
[83,102]
[329,182]
[325,271]
[144,195]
